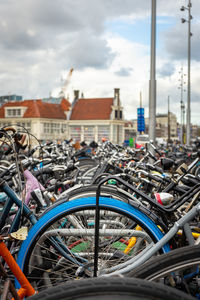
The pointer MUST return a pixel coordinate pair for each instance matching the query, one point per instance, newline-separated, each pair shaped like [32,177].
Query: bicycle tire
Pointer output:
[181,264]
[112,289]
[32,243]
[81,191]
[111,191]
[154,267]
[86,163]
[90,190]
[197,171]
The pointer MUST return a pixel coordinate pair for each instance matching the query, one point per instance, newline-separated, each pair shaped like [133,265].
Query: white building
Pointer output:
[84,119]
[97,118]
[45,121]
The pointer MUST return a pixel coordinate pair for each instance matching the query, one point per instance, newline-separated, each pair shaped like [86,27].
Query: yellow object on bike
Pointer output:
[132,241]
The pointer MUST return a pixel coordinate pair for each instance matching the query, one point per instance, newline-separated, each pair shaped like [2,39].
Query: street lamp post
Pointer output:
[183,107]
[168,121]
[188,127]
[181,87]
[152,82]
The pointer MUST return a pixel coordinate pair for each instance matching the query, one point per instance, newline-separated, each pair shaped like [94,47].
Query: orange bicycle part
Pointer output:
[26,288]
[132,241]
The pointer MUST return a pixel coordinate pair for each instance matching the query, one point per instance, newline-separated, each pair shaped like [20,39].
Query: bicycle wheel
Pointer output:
[179,268]
[111,191]
[112,289]
[86,177]
[72,223]
[86,163]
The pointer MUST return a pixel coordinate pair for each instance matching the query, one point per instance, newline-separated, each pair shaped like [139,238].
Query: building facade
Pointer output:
[45,121]
[9,98]
[96,118]
[83,120]
[129,130]
[162,126]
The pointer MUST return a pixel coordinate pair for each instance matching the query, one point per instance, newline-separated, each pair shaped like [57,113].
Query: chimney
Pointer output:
[76,94]
[116,95]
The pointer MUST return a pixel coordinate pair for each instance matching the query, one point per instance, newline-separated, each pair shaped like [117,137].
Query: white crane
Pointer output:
[66,83]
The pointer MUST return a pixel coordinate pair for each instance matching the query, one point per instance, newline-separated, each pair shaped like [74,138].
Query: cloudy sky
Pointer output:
[107,42]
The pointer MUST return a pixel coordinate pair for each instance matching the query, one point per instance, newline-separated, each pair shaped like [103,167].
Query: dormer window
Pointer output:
[14,112]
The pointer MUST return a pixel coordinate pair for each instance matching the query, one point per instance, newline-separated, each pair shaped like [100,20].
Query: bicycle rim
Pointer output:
[73,224]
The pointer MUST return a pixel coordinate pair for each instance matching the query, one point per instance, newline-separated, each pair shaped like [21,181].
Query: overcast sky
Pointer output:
[107,42]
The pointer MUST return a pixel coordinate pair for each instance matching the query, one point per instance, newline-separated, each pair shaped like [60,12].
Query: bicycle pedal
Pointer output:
[21,234]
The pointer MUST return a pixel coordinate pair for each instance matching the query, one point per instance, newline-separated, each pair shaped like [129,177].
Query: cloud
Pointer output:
[88,50]
[166,70]
[176,42]
[42,40]
[124,72]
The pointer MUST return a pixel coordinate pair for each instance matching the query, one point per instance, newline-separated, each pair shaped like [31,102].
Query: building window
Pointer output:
[51,128]
[118,113]
[89,134]
[46,128]
[26,125]
[13,112]
[75,132]
[5,124]
[103,132]
[63,128]
[55,128]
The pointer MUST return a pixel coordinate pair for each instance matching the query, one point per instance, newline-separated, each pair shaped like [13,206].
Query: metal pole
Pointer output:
[181,87]
[152,82]
[118,113]
[183,123]
[140,105]
[140,99]
[168,122]
[188,89]
[181,105]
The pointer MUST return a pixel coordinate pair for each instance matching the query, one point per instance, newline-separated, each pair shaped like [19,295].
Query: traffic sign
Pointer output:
[140,119]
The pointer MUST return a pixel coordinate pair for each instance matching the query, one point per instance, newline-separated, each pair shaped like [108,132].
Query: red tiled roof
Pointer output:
[128,124]
[92,109]
[39,109]
[65,104]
